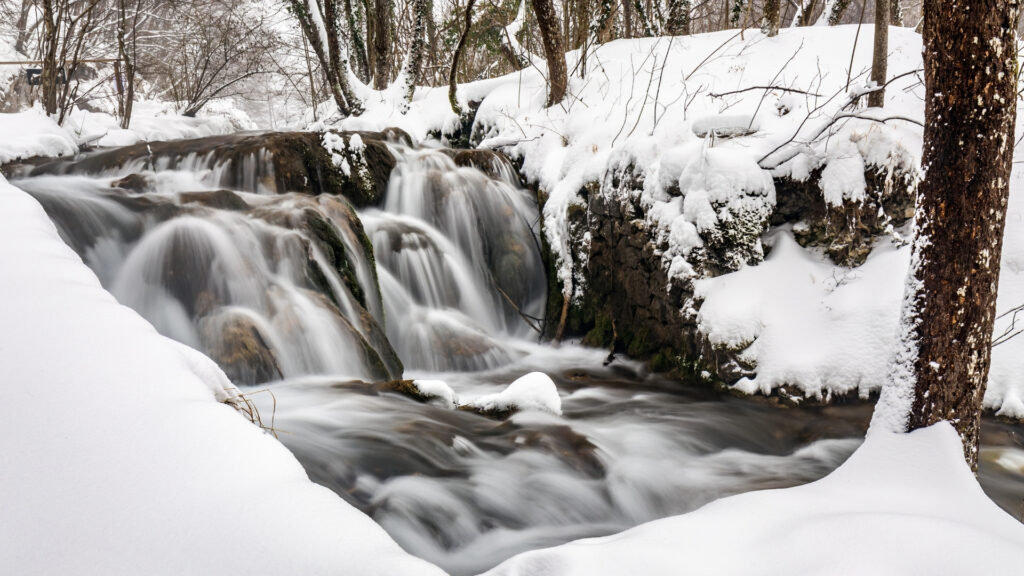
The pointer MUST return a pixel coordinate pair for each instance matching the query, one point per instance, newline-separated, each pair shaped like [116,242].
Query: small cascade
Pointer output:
[270,287]
[459,262]
[445,274]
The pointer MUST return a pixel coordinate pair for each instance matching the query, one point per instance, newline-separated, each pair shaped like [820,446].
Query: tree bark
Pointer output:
[452,74]
[23,29]
[359,47]
[127,34]
[835,16]
[678,21]
[970,112]
[48,79]
[770,19]
[382,32]
[880,57]
[414,61]
[554,50]
[602,29]
[896,13]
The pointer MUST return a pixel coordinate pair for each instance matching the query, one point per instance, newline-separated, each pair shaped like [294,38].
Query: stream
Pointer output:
[303,299]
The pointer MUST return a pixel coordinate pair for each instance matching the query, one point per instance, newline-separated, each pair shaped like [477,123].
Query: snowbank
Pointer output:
[902,504]
[32,133]
[118,457]
[806,322]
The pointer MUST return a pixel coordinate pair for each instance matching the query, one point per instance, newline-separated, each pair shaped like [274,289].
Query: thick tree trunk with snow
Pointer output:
[770,18]
[414,60]
[970,90]
[554,50]
[880,57]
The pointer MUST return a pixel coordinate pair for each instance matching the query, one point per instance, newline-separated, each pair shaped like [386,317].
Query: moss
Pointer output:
[334,250]
[602,335]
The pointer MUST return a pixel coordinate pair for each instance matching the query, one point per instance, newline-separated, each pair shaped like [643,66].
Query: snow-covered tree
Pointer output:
[941,369]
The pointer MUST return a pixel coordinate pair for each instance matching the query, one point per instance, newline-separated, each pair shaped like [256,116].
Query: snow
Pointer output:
[533,391]
[875,514]
[118,455]
[31,133]
[806,322]
[438,389]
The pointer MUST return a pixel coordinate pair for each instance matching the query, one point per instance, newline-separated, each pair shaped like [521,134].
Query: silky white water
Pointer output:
[282,291]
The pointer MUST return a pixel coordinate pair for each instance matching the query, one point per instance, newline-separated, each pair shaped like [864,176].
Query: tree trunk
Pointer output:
[627,18]
[125,71]
[554,50]
[414,60]
[678,21]
[602,29]
[22,26]
[835,16]
[770,20]
[970,111]
[48,79]
[338,57]
[359,47]
[896,13]
[383,14]
[452,74]
[880,57]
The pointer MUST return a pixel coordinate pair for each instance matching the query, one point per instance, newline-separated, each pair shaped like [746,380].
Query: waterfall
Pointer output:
[445,274]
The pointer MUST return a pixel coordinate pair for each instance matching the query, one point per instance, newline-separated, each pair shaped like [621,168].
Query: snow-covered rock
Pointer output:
[534,391]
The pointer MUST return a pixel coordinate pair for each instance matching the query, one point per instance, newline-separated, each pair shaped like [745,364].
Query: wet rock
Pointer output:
[234,342]
[219,199]
[491,162]
[278,162]
[133,182]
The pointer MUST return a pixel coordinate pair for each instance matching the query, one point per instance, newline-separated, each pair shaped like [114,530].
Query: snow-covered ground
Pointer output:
[119,456]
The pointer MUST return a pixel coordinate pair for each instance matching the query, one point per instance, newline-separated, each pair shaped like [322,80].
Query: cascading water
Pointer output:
[283,288]
[458,262]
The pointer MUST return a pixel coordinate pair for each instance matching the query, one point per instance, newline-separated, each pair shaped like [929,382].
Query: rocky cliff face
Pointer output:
[638,295]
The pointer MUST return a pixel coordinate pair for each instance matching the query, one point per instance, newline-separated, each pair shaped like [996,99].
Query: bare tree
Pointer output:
[941,369]
[320,23]
[880,56]
[130,14]
[452,75]
[67,25]
[554,50]
[210,48]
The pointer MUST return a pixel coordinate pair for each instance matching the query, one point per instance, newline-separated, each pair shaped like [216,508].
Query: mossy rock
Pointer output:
[236,345]
[219,199]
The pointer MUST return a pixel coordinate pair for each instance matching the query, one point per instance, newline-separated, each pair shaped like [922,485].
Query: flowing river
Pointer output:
[307,298]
